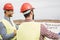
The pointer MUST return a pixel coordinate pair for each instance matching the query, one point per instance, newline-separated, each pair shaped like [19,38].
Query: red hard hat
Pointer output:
[8,6]
[26,6]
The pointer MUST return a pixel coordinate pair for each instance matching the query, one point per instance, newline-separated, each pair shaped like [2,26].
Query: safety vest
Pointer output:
[29,31]
[9,27]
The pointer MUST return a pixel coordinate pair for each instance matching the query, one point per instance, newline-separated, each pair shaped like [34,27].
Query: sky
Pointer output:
[44,9]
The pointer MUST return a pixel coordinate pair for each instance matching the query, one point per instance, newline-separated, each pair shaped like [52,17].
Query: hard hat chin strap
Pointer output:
[27,12]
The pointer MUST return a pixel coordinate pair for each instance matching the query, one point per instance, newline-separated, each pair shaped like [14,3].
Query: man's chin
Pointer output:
[10,16]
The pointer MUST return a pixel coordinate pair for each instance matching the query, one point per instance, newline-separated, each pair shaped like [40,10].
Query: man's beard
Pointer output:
[10,15]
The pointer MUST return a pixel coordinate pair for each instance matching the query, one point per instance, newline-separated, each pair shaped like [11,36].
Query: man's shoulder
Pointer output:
[1,24]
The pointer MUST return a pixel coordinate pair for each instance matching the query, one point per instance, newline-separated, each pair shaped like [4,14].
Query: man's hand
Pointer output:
[15,31]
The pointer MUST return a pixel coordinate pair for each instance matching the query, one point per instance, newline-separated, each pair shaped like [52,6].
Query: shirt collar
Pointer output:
[7,18]
[29,20]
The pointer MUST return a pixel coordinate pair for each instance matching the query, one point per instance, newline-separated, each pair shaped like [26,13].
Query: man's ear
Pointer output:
[31,13]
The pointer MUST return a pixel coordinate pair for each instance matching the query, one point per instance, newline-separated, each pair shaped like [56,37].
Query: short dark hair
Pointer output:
[4,11]
[26,15]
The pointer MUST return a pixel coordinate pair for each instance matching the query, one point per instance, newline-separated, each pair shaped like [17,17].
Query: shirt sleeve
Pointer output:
[47,33]
[3,32]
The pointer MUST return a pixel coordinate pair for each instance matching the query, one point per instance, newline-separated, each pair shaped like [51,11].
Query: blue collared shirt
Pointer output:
[3,30]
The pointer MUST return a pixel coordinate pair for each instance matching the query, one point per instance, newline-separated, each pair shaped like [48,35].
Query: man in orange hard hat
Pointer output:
[30,30]
[7,27]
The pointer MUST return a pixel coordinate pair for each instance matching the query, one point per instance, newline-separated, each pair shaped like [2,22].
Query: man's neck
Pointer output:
[28,19]
[6,17]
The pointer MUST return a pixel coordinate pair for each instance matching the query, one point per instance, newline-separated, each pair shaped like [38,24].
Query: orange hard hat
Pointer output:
[8,6]
[26,6]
